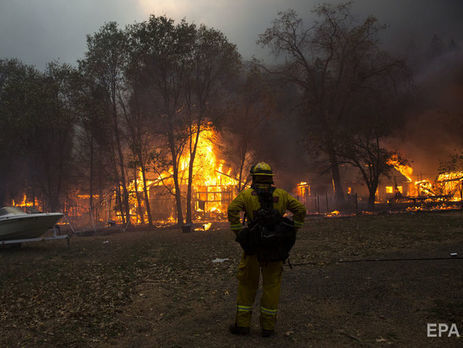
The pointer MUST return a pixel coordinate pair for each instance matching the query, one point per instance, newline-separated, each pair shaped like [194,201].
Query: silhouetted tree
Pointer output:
[331,62]
[105,62]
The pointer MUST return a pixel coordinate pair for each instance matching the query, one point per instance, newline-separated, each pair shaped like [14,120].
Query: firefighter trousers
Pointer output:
[248,276]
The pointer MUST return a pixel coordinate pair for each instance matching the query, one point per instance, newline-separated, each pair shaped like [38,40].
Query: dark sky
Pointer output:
[37,32]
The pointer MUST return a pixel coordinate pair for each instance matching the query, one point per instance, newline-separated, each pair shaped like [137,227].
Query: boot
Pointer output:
[238,330]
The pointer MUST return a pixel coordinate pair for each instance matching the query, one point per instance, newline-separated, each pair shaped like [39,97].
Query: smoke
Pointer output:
[432,130]
[37,32]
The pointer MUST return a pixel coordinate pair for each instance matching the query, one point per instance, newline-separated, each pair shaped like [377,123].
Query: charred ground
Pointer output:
[160,288]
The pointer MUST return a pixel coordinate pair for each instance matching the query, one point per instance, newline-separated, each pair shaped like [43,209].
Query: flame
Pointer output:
[204,227]
[442,206]
[448,186]
[303,189]
[87,196]
[451,176]
[208,169]
[24,203]
[213,184]
[424,187]
[135,188]
[452,184]
[403,169]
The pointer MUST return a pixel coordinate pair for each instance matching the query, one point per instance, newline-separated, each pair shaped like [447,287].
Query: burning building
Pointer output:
[213,186]
[401,189]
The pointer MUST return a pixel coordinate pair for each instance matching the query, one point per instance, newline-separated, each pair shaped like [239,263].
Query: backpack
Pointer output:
[269,235]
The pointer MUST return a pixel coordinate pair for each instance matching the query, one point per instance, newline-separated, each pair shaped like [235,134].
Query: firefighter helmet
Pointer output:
[261,168]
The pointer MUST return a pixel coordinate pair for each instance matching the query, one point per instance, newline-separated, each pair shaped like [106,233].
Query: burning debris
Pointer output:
[204,227]
[447,186]
[402,190]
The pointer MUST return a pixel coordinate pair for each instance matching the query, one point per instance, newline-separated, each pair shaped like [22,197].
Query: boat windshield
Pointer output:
[10,210]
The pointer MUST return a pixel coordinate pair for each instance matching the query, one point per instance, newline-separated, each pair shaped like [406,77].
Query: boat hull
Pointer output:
[27,226]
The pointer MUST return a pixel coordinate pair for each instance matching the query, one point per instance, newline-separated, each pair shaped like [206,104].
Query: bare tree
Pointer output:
[378,112]
[331,61]
[365,151]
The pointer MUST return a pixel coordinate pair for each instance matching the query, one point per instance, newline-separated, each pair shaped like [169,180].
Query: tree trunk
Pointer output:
[91,182]
[336,176]
[119,203]
[372,187]
[140,213]
[118,187]
[121,164]
[190,174]
[178,194]
[178,198]
[188,194]
[371,199]
[145,192]
[100,186]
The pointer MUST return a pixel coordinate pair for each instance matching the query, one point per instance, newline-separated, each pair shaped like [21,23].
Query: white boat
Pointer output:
[16,224]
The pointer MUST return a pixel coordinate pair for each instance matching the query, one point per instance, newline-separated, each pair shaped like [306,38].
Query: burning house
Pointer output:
[446,189]
[213,185]
[213,188]
[401,189]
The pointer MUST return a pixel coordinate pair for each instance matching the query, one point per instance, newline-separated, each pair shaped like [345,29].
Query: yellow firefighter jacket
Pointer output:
[248,201]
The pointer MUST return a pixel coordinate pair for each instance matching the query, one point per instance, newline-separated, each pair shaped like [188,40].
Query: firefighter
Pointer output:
[259,257]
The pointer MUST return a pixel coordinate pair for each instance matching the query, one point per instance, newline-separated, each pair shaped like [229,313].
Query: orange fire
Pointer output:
[213,184]
[24,203]
[452,183]
[403,169]
[447,184]
[303,189]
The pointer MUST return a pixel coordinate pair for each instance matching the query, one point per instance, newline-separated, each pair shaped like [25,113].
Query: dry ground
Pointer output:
[160,287]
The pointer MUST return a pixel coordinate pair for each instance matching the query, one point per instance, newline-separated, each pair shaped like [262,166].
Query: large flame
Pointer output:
[452,184]
[447,184]
[213,184]
[403,169]
[208,170]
